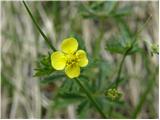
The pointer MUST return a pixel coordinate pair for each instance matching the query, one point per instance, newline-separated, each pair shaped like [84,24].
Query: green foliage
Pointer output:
[120,45]
[52,78]
[82,106]
[123,41]
[101,9]
[44,67]
[69,86]
[70,95]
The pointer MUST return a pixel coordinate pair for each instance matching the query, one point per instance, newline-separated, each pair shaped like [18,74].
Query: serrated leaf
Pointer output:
[44,66]
[103,9]
[114,46]
[52,78]
[83,105]
[62,103]
[123,41]
[70,95]
[124,11]
[69,86]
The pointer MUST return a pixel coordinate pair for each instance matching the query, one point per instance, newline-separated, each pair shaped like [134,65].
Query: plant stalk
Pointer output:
[38,27]
[91,98]
[121,65]
[128,50]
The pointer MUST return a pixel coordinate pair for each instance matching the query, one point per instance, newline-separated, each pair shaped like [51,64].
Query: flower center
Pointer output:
[71,60]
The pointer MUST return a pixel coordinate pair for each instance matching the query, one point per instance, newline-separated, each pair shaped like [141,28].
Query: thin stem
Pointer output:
[110,111]
[91,98]
[128,50]
[143,98]
[121,65]
[151,82]
[38,27]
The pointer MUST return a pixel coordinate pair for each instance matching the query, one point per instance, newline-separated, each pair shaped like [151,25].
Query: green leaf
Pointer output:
[114,46]
[52,78]
[44,66]
[122,41]
[70,95]
[121,12]
[62,103]
[82,106]
[103,9]
[119,46]
[69,86]
[94,10]
[105,70]
[117,115]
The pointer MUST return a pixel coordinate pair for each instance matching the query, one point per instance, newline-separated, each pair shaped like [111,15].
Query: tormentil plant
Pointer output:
[69,58]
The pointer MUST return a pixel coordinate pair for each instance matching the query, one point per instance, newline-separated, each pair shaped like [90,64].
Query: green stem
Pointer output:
[110,111]
[121,65]
[143,99]
[128,50]
[91,98]
[151,84]
[38,27]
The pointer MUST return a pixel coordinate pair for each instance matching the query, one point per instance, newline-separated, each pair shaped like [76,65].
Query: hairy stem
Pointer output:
[38,27]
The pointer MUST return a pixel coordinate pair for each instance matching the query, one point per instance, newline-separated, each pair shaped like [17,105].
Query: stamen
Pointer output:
[71,60]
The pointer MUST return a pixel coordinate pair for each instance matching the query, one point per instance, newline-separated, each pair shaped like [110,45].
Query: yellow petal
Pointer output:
[82,58]
[72,71]
[58,60]
[69,45]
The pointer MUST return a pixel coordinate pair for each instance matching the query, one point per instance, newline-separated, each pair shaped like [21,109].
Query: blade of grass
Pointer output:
[91,98]
[38,27]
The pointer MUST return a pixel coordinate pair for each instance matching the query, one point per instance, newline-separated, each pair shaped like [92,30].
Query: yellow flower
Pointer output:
[69,58]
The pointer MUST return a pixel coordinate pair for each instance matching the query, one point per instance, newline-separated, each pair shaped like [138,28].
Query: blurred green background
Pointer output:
[105,30]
